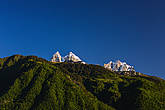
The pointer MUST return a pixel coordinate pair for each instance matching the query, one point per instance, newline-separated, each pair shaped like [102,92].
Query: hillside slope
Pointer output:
[32,83]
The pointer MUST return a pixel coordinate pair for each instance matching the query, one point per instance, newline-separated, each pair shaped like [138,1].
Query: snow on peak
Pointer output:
[119,66]
[56,57]
[71,57]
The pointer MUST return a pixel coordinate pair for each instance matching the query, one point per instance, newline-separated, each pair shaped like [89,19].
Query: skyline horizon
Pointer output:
[102,64]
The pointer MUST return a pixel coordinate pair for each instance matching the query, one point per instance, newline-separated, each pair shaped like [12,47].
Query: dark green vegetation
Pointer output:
[32,83]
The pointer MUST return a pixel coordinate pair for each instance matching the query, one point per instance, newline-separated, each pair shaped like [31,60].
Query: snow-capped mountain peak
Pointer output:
[119,66]
[56,57]
[71,57]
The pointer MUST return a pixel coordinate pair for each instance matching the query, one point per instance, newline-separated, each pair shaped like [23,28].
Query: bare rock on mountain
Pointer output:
[71,57]
[119,66]
[56,57]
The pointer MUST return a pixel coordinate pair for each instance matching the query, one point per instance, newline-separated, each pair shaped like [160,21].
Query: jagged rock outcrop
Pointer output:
[71,57]
[119,66]
[56,57]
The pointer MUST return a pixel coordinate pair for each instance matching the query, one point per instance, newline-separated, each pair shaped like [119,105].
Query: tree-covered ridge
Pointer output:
[120,91]
[32,83]
[40,85]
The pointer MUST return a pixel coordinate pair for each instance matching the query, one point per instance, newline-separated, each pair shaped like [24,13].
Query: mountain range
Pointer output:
[33,83]
[71,57]
[118,66]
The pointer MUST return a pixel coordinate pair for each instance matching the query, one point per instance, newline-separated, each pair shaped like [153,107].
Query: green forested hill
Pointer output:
[32,83]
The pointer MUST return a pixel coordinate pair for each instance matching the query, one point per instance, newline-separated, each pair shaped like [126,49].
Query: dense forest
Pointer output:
[32,83]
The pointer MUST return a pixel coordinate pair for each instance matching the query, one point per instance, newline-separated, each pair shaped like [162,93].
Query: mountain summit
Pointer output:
[119,66]
[71,57]
[56,57]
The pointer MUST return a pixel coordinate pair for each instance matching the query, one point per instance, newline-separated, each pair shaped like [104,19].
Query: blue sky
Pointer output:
[96,30]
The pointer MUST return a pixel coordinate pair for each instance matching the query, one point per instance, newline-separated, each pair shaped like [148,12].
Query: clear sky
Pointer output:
[96,30]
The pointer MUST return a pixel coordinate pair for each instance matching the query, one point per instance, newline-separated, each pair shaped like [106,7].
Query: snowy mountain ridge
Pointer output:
[71,57]
[56,57]
[119,66]
[113,66]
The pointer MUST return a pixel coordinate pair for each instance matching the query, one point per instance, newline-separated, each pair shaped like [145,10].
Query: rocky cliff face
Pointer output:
[56,57]
[119,66]
[71,57]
